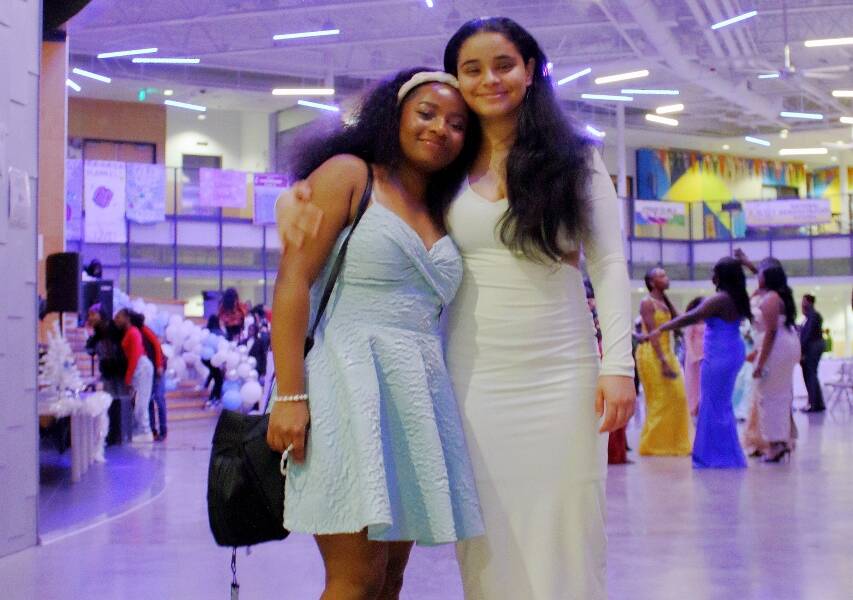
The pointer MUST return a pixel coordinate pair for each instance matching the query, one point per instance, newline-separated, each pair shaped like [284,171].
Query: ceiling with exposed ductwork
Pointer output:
[715,71]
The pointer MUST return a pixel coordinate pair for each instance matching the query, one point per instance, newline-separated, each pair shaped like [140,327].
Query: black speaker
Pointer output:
[97,292]
[62,278]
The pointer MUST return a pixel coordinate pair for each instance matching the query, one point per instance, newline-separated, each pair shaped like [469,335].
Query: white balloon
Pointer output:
[187,328]
[243,350]
[231,374]
[190,358]
[243,370]
[202,371]
[138,305]
[168,350]
[179,366]
[233,360]
[188,343]
[223,345]
[175,320]
[251,393]
[253,375]
[253,362]
[173,334]
[218,359]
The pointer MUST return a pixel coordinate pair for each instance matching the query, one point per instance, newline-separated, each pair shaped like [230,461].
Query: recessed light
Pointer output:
[202,117]
[168,92]
[726,147]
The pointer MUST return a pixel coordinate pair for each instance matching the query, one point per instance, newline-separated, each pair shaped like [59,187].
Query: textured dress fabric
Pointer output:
[773,394]
[693,338]
[386,449]
[717,445]
[524,364]
[666,429]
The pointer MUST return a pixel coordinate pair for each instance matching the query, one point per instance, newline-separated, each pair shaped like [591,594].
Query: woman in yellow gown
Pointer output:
[666,431]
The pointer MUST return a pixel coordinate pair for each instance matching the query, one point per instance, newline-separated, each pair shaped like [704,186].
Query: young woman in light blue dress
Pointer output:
[384,462]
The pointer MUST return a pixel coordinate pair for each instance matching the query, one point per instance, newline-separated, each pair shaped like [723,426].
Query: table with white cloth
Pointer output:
[89,425]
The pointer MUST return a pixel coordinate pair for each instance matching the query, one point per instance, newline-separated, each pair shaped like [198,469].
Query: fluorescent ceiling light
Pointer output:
[606,97]
[318,105]
[801,115]
[574,76]
[168,92]
[755,140]
[303,92]
[726,147]
[842,93]
[429,3]
[596,132]
[669,108]
[662,120]
[733,20]
[769,76]
[73,85]
[802,151]
[783,134]
[622,77]
[306,34]
[846,120]
[169,61]
[186,105]
[90,75]
[127,53]
[829,42]
[642,92]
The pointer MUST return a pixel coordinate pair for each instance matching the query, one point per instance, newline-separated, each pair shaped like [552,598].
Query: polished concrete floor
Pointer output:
[769,532]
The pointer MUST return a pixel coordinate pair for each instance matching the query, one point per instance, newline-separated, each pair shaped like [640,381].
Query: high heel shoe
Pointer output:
[778,457]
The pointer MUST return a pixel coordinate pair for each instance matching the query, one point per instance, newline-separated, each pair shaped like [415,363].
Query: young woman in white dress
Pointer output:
[536,401]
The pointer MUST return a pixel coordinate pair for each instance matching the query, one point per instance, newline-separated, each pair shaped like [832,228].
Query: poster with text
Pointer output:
[268,186]
[780,213]
[225,189]
[659,212]
[104,202]
[73,199]
[146,193]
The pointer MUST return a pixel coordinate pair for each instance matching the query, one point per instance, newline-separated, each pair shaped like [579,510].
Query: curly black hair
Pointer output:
[729,278]
[373,135]
[549,166]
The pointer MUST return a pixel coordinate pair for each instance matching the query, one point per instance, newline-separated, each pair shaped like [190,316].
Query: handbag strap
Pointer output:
[339,261]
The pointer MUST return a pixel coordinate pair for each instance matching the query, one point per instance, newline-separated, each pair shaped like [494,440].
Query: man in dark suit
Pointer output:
[812,346]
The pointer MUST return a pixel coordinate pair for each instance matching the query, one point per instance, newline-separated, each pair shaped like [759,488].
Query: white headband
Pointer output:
[426,77]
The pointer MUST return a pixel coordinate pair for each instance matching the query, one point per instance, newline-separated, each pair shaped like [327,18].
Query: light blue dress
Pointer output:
[386,449]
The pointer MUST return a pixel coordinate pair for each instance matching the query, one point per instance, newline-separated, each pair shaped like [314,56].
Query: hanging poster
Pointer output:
[268,186]
[104,202]
[658,212]
[225,189]
[146,193]
[73,199]
[781,213]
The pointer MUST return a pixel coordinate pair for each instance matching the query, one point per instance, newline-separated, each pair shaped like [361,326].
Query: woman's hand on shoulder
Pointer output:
[615,398]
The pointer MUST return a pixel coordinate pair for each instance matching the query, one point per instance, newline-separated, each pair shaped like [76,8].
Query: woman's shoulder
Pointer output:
[343,168]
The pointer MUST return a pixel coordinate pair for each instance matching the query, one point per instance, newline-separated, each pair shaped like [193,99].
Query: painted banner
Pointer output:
[268,186]
[225,189]
[781,213]
[73,199]
[146,193]
[104,202]
[658,212]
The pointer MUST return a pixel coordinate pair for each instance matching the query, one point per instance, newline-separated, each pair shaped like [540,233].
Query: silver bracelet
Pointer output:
[292,398]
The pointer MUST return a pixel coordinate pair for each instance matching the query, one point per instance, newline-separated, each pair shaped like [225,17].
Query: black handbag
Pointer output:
[245,482]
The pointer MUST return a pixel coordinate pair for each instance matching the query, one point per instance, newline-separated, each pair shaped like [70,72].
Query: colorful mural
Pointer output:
[826,184]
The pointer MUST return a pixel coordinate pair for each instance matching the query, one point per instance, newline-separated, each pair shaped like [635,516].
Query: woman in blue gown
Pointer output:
[716,445]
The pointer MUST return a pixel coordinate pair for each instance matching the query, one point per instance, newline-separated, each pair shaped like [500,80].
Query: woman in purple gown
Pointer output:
[716,445]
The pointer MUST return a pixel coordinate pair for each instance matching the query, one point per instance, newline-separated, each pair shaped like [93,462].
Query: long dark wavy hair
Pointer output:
[776,280]
[650,274]
[373,135]
[729,277]
[548,166]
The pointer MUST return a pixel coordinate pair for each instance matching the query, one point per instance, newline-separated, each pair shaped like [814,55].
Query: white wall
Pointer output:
[20,36]
[240,138]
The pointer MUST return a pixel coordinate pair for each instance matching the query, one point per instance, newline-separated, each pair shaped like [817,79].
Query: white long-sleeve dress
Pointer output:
[524,364]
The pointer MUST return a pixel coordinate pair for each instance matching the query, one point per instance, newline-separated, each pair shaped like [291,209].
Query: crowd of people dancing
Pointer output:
[740,352]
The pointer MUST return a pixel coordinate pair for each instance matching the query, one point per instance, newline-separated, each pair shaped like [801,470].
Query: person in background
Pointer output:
[139,375]
[717,445]
[215,374]
[693,353]
[666,430]
[812,347]
[232,314]
[827,341]
[154,352]
[93,271]
[105,343]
